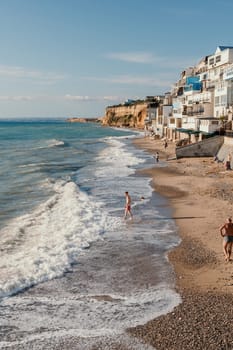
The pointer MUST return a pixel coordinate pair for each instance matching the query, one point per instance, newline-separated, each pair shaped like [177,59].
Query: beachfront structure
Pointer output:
[162,122]
[202,99]
[191,102]
[220,75]
[163,115]
[153,102]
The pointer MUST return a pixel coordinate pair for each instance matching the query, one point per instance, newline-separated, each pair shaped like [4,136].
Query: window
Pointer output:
[160,120]
[223,100]
[211,61]
[218,59]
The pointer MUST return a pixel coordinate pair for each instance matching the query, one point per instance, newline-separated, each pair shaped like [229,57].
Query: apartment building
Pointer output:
[202,99]
[221,80]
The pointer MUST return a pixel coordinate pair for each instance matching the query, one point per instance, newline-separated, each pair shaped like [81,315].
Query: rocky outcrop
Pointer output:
[132,115]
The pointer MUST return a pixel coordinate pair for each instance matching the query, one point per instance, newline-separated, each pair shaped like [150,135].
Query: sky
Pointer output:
[73,58]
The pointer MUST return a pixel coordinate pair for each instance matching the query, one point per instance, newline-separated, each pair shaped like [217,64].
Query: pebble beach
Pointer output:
[199,191]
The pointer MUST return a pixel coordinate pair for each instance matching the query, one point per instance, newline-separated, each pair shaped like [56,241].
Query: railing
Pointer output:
[229,133]
[193,114]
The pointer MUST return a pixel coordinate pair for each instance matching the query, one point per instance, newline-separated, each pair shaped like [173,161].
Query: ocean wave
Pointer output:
[50,144]
[55,143]
[45,243]
[48,167]
[117,159]
[32,165]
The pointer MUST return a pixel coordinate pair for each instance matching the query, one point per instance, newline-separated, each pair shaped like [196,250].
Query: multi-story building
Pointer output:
[203,96]
[220,79]
[228,78]
[163,116]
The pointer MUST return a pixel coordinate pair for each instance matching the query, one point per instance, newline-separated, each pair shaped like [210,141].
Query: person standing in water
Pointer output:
[128,205]
[157,157]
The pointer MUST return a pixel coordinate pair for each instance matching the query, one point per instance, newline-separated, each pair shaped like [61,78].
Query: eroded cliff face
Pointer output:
[126,116]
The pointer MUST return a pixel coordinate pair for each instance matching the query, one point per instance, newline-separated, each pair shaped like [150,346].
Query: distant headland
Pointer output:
[83,120]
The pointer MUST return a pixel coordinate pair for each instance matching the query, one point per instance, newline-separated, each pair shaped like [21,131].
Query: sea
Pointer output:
[74,274]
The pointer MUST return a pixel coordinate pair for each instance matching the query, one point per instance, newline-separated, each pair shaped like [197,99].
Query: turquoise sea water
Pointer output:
[64,240]
[35,153]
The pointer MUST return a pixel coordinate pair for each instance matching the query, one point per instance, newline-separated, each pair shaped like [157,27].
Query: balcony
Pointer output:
[193,113]
[210,84]
[203,97]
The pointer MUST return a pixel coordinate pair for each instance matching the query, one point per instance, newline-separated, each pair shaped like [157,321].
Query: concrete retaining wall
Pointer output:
[226,151]
[206,148]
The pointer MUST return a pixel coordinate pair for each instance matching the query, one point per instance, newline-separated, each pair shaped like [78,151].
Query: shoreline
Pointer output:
[199,192]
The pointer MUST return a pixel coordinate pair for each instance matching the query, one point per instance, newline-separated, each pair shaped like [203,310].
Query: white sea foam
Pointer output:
[115,165]
[117,160]
[68,337]
[32,165]
[55,143]
[49,144]
[43,244]
[90,316]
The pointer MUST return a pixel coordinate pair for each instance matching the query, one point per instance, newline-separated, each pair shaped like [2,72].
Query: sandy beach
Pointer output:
[199,191]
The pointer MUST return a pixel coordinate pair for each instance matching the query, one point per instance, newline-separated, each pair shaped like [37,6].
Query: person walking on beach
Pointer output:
[226,231]
[228,162]
[165,144]
[128,205]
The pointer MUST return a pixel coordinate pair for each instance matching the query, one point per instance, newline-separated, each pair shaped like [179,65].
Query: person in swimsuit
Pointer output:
[157,157]
[128,205]
[226,231]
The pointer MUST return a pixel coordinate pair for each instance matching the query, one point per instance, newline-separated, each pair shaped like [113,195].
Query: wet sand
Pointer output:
[200,193]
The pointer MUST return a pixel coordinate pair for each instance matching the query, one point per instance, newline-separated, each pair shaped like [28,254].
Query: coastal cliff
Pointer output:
[131,115]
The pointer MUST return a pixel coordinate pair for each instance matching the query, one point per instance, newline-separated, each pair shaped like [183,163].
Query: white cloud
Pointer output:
[135,57]
[16,72]
[92,98]
[68,97]
[77,98]
[161,62]
[16,98]
[132,80]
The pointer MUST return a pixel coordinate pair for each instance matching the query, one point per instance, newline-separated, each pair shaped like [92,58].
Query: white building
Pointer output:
[220,78]
[205,110]
[202,99]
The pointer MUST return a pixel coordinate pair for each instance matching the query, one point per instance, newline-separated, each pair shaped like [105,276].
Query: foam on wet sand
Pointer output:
[200,193]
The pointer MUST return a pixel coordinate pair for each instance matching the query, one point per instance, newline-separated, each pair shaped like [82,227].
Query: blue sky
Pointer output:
[63,58]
